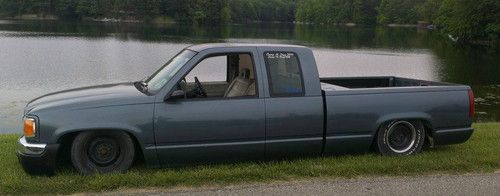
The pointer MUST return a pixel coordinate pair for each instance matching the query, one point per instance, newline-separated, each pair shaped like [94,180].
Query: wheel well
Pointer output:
[426,123]
[66,141]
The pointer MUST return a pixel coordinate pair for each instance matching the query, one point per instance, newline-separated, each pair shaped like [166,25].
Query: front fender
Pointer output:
[135,119]
[111,126]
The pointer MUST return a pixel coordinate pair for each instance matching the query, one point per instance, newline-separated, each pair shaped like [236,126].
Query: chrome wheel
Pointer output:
[401,136]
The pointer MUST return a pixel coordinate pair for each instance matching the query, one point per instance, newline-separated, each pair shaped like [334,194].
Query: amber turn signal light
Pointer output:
[29,127]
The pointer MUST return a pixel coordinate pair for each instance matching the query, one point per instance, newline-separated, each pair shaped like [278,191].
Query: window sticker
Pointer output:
[279,55]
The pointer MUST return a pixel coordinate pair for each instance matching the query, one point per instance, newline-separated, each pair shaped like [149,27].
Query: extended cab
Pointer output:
[240,101]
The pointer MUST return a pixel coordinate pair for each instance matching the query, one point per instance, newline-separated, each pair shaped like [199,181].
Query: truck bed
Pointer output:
[355,107]
[343,83]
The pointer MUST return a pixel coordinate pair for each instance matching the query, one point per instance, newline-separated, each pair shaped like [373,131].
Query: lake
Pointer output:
[38,57]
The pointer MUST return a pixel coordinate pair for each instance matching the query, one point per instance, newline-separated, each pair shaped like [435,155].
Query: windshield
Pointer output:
[163,75]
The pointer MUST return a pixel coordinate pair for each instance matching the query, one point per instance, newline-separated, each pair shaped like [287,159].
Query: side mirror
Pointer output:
[177,94]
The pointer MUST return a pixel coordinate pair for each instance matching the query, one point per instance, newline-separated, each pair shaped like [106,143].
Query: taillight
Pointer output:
[471,103]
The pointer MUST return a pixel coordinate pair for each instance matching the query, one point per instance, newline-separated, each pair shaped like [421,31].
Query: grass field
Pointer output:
[480,154]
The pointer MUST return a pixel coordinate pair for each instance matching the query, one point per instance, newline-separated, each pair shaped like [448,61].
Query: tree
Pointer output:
[470,19]
[87,8]
[9,8]
[466,19]
[147,9]
[364,12]
[67,9]
[242,11]
[225,14]
[398,11]
[429,10]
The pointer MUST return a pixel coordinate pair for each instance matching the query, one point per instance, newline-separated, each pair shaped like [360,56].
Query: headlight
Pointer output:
[29,127]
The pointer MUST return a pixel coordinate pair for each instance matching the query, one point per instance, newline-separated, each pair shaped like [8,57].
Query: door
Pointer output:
[294,120]
[197,131]
[221,125]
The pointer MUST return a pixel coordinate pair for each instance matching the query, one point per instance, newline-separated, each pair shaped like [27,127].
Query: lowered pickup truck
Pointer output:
[263,101]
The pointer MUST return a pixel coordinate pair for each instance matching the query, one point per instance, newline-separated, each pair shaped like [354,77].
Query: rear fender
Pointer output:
[426,118]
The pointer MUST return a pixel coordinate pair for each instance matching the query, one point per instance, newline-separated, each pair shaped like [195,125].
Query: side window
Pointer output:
[212,69]
[285,77]
[222,76]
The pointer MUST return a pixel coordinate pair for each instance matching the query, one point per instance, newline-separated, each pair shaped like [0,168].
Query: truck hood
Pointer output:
[89,97]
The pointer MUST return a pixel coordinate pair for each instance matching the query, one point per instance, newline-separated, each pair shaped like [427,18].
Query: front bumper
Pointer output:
[37,159]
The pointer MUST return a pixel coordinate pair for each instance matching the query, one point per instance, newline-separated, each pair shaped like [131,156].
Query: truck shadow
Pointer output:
[64,165]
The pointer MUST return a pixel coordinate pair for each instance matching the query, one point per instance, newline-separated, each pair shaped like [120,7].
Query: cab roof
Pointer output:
[201,47]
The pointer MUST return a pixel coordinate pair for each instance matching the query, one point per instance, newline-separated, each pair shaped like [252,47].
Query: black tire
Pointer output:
[102,152]
[401,137]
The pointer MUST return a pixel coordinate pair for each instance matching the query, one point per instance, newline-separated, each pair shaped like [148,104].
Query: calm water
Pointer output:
[41,57]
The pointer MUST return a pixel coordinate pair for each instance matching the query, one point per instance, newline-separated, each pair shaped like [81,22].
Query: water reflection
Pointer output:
[332,62]
[41,57]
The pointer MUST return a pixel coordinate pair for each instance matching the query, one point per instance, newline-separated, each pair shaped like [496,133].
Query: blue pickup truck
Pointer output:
[262,101]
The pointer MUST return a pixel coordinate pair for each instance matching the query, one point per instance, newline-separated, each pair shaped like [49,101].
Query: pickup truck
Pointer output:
[237,102]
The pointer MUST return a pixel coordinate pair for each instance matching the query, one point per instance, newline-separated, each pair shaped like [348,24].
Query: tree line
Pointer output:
[464,19]
[188,11]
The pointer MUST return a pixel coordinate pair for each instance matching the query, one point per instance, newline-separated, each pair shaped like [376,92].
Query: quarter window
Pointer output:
[285,77]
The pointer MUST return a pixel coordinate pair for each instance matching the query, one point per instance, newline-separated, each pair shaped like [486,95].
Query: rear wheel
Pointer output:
[102,152]
[401,137]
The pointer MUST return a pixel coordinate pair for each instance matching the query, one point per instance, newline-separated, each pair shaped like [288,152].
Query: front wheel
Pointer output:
[401,137]
[102,152]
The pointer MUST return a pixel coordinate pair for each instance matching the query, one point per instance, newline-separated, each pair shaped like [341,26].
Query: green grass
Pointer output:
[480,154]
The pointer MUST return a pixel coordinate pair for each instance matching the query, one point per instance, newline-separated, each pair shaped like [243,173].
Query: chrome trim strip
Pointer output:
[208,145]
[294,140]
[348,137]
[454,130]
[26,148]
[237,143]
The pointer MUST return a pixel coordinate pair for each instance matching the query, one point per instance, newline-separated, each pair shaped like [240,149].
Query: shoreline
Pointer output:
[165,19]
[162,20]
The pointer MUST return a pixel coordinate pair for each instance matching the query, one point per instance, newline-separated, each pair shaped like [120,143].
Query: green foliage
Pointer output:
[225,15]
[87,8]
[470,19]
[429,10]
[9,8]
[398,11]
[243,11]
[337,11]
[67,8]
[147,9]
[466,19]
[364,12]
